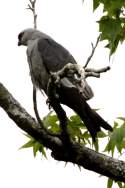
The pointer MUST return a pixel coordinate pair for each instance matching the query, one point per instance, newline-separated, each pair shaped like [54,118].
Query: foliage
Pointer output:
[35,145]
[79,133]
[112,29]
[112,22]
[110,184]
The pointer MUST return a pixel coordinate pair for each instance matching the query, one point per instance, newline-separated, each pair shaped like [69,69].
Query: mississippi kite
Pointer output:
[44,56]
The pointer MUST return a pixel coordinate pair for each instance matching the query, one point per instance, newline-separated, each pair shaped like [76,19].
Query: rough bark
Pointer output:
[75,153]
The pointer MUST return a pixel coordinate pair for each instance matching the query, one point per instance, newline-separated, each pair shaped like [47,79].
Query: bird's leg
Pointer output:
[48,103]
[62,119]
[67,71]
[54,103]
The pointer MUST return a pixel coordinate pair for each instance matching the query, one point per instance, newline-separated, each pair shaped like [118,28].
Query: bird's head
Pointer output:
[27,35]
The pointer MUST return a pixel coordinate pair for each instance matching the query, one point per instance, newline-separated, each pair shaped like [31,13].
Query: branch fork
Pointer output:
[78,75]
[32,6]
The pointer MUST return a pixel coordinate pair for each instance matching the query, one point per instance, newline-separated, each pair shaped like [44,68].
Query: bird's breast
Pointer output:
[39,75]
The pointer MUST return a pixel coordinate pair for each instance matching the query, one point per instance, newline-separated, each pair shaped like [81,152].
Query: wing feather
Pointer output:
[54,56]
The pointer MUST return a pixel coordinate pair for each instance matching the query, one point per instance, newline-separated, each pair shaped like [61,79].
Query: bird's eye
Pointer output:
[20,36]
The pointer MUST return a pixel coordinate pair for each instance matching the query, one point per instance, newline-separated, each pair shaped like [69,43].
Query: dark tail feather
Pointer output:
[92,120]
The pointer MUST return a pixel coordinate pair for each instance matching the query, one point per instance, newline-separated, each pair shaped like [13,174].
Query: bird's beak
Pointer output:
[19,43]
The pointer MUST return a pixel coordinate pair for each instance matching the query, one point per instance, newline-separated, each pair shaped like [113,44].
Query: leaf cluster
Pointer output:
[79,133]
[112,22]
[76,129]
[110,184]
[37,147]
[116,143]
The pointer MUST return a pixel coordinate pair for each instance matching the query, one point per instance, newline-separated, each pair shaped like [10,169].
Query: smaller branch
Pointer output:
[78,74]
[29,7]
[32,7]
[95,72]
[93,51]
[104,69]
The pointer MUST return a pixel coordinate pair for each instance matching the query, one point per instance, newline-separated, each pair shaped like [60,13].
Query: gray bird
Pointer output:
[44,56]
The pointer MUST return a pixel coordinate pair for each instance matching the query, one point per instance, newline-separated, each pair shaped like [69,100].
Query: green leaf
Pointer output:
[110,29]
[50,120]
[52,123]
[76,122]
[96,145]
[115,125]
[28,144]
[42,150]
[113,8]
[109,183]
[36,147]
[116,139]
[96,3]
[120,184]
[101,134]
[121,118]
[27,135]
[86,135]
[75,118]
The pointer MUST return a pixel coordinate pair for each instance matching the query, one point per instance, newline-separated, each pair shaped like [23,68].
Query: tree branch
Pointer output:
[24,120]
[78,75]
[95,72]
[93,51]
[31,7]
[77,154]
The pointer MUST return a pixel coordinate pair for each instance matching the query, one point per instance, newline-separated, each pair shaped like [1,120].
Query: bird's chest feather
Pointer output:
[38,71]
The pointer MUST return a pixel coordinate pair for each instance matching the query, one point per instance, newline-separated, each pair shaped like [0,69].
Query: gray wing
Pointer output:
[39,75]
[54,56]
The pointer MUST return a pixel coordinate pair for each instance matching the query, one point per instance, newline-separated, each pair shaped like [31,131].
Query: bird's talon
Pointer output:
[48,103]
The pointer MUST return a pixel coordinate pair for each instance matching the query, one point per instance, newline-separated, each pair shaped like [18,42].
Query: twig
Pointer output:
[93,51]
[95,72]
[32,7]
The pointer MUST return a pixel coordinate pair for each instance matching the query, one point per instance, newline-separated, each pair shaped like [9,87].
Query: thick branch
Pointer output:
[97,162]
[25,121]
[77,154]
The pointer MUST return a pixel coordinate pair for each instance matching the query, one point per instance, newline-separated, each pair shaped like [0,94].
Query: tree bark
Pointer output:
[75,153]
